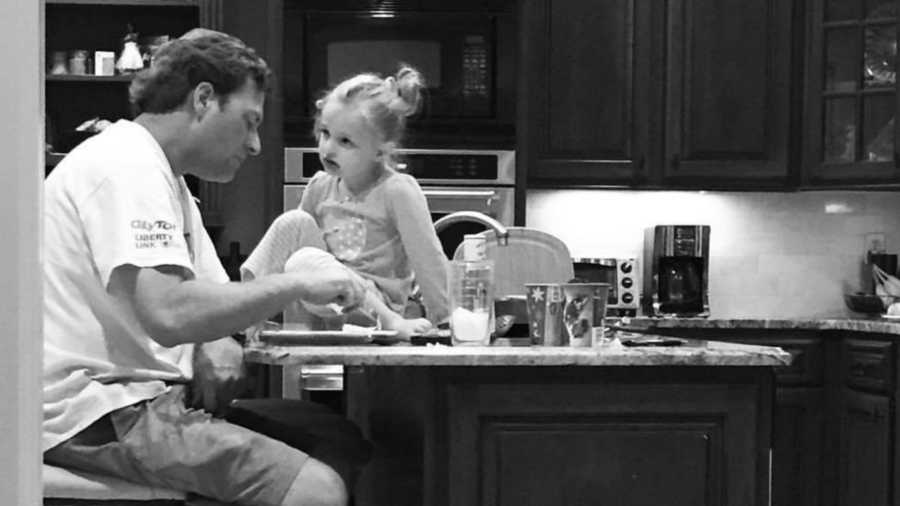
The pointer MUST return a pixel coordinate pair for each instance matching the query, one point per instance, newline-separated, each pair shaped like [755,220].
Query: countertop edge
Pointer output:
[697,353]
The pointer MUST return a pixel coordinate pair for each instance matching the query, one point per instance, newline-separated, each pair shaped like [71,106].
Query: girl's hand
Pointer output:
[407,328]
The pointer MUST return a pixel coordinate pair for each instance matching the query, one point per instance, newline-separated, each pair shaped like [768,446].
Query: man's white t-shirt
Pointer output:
[113,201]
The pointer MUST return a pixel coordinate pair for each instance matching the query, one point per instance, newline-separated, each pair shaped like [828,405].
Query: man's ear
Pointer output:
[202,98]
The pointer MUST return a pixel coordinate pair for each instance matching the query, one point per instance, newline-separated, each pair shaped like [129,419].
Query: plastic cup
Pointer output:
[601,296]
[543,304]
[578,314]
[471,290]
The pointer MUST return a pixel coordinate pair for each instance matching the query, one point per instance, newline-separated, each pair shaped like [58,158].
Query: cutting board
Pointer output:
[294,337]
[530,256]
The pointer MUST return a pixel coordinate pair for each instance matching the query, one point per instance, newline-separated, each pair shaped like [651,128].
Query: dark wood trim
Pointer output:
[87,78]
[211,15]
[147,3]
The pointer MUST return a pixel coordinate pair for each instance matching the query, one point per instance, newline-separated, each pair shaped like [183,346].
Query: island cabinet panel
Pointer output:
[542,435]
[583,460]
[640,435]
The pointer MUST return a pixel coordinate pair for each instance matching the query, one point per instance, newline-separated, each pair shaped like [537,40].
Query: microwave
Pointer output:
[623,278]
[466,55]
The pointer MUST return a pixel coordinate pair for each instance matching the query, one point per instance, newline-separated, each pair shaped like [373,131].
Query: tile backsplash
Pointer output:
[773,255]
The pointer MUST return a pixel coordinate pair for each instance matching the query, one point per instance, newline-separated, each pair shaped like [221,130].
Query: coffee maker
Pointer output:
[678,283]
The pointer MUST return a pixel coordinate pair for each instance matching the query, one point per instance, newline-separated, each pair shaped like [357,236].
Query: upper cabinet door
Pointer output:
[727,88]
[851,95]
[583,107]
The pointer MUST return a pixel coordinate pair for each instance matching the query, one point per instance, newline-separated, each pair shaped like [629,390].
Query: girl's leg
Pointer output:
[289,232]
[391,320]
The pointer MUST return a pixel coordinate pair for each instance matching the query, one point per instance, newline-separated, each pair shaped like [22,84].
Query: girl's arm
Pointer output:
[413,221]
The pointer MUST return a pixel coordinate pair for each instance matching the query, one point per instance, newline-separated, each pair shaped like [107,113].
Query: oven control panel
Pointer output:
[623,277]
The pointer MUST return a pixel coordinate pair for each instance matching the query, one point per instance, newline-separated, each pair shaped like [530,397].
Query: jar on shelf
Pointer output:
[58,64]
[78,62]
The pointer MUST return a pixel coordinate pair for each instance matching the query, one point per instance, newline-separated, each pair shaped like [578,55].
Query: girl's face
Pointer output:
[348,146]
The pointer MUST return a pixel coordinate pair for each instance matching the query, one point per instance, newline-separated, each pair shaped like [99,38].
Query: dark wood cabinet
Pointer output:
[836,433]
[686,94]
[851,95]
[77,95]
[797,440]
[867,450]
[727,88]
[585,107]
[520,436]
[799,429]
[557,443]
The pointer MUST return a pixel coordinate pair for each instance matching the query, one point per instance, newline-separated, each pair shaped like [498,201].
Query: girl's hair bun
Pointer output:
[408,83]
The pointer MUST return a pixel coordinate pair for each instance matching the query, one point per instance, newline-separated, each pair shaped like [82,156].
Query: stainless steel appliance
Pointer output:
[452,179]
[679,270]
[466,54]
[623,277]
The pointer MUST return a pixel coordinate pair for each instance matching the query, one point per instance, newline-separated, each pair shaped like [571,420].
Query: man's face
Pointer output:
[227,133]
[348,146]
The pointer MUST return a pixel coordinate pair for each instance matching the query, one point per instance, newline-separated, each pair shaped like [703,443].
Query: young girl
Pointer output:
[373,218]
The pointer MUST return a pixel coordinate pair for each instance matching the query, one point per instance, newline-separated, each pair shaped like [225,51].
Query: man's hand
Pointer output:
[219,375]
[337,284]
[326,280]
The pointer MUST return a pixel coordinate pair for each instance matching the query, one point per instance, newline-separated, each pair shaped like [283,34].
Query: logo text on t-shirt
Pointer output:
[152,234]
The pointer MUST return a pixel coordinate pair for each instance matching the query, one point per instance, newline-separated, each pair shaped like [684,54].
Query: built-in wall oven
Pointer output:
[452,180]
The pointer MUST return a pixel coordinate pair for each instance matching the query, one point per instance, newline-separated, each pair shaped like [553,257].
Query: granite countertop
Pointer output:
[875,324]
[692,353]
[697,353]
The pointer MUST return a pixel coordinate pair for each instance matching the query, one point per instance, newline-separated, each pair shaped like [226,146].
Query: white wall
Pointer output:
[21,143]
[772,254]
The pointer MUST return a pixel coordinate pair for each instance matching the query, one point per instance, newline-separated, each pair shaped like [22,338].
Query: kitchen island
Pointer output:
[523,426]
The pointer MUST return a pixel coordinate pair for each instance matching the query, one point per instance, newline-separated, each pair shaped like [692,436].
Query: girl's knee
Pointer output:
[295,218]
[316,484]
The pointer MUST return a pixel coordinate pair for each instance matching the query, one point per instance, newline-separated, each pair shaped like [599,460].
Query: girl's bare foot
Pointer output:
[406,328]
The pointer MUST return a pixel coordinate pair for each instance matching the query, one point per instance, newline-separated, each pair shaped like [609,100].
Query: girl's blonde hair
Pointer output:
[385,103]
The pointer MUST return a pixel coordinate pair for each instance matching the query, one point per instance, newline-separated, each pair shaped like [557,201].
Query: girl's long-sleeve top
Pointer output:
[400,240]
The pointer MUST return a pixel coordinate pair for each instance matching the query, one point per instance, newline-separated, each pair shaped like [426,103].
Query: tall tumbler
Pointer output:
[471,290]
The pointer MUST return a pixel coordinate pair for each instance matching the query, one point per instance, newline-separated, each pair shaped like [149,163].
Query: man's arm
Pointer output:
[175,310]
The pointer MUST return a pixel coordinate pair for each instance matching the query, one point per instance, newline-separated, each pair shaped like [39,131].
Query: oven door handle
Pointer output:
[460,193]
[488,195]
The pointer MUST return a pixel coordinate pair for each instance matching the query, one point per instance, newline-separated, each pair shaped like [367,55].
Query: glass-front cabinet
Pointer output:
[852,94]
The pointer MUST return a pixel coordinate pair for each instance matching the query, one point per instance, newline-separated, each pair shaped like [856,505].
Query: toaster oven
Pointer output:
[623,278]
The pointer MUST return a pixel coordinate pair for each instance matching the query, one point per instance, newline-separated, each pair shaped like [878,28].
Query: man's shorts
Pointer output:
[163,443]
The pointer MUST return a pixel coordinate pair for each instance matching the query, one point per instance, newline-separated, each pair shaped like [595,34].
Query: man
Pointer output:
[132,281]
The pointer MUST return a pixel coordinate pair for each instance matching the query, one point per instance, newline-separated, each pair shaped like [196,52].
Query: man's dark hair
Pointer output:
[200,55]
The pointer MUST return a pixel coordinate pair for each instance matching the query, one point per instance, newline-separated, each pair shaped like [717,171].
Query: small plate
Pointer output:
[891,316]
[290,337]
